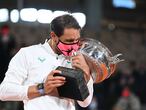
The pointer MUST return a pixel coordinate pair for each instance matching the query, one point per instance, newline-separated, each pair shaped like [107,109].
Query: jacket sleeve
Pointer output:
[12,88]
[87,101]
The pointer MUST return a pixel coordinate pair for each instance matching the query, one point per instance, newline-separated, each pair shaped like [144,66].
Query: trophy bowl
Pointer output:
[99,58]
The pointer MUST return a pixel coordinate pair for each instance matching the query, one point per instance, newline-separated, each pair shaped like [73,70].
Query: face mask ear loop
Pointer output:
[58,43]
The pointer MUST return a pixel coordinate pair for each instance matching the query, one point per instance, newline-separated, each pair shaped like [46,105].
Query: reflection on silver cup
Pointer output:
[100,60]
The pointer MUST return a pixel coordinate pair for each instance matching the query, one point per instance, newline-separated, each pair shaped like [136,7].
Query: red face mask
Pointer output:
[67,49]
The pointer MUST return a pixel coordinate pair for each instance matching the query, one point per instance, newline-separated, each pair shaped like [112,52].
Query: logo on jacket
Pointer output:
[41,59]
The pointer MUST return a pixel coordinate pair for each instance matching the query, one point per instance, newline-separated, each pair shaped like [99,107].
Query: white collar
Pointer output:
[49,50]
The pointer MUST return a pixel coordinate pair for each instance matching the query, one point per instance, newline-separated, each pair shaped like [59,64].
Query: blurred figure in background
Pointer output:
[127,101]
[140,85]
[7,46]
[7,50]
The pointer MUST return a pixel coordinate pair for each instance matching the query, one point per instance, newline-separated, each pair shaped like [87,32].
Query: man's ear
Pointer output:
[53,36]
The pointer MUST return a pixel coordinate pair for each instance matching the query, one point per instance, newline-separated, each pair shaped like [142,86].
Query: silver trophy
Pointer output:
[100,60]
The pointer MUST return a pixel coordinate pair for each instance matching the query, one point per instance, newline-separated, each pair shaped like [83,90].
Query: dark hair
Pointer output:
[61,22]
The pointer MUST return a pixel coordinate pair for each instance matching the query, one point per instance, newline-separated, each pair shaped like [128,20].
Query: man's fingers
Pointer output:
[54,72]
[58,85]
[55,83]
[75,58]
[56,78]
[75,61]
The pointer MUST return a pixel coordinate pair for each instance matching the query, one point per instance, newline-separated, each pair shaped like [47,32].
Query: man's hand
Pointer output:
[50,85]
[52,82]
[78,61]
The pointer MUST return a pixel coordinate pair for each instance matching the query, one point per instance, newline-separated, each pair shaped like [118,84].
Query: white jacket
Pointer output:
[30,66]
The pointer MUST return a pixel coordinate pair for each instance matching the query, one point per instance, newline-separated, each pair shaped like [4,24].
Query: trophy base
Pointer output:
[75,86]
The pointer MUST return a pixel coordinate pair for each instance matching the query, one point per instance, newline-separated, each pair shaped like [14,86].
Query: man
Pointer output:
[30,73]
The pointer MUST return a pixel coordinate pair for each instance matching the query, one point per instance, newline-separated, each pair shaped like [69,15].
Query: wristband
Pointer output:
[40,88]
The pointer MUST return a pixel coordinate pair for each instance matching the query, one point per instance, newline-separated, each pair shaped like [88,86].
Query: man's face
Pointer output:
[68,42]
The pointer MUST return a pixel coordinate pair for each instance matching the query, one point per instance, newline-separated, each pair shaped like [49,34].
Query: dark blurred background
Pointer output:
[118,24]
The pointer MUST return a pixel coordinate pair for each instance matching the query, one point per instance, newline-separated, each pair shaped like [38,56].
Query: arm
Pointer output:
[79,61]
[11,88]
[87,101]
[49,86]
